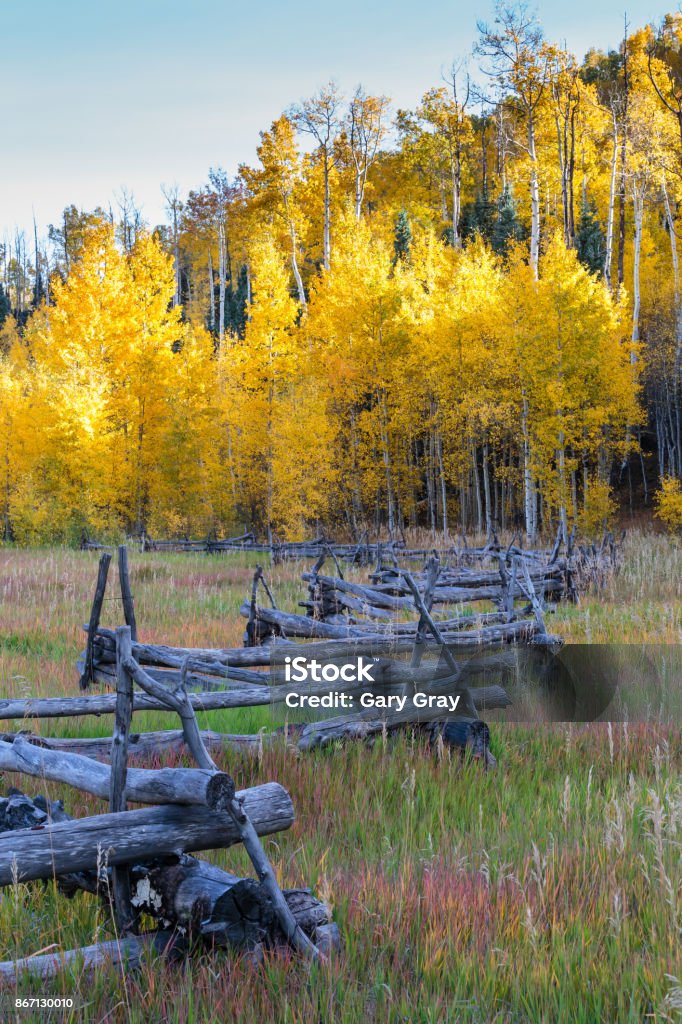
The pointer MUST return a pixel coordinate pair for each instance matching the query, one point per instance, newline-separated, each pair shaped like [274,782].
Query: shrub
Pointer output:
[669,503]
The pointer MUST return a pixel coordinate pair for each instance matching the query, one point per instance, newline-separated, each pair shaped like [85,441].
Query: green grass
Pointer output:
[548,891]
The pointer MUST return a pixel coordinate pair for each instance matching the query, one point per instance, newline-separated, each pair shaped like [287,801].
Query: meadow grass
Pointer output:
[549,890]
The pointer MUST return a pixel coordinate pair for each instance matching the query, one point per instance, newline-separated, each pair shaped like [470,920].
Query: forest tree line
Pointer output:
[459,316]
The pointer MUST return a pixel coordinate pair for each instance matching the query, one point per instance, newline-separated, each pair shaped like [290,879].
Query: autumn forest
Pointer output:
[462,315]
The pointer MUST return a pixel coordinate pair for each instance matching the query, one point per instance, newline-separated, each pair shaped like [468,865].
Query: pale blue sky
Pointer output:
[99,95]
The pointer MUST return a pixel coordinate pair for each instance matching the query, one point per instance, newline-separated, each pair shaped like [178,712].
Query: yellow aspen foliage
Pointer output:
[669,503]
[258,371]
[106,360]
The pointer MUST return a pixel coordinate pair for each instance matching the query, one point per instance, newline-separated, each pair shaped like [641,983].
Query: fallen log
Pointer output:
[128,952]
[311,915]
[137,835]
[223,908]
[182,893]
[463,734]
[306,628]
[142,785]
[362,726]
[144,744]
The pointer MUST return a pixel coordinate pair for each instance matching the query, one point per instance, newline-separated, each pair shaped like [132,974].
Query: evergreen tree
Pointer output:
[589,240]
[402,237]
[507,227]
[4,306]
[479,217]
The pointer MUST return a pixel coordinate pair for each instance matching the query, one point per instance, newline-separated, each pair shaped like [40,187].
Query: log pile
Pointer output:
[139,860]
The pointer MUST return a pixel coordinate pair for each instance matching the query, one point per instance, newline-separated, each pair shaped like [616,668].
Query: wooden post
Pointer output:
[532,596]
[126,593]
[123,910]
[467,703]
[95,614]
[432,571]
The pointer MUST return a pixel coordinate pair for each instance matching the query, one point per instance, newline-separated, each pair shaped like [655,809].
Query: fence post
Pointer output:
[95,615]
[126,593]
[123,910]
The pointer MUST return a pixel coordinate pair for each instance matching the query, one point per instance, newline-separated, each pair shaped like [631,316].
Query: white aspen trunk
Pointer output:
[608,258]
[443,489]
[676,278]
[211,293]
[477,489]
[528,495]
[561,464]
[486,488]
[387,465]
[294,266]
[221,283]
[574,493]
[327,215]
[431,484]
[443,199]
[638,203]
[47,279]
[678,320]
[359,191]
[456,205]
[176,255]
[358,508]
[534,199]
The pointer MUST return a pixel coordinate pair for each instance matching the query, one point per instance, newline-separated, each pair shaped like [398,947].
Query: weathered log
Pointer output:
[307,628]
[457,624]
[361,726]
[173,657]
[421,635]
[104,674]
[120,879]
[95,614]
[332,601]
[179,701]
[370,595]
[142,785]
[17,811]
[105,704]
[223,908]
[186,892]
[463,734]
[205,900]
[147,743]
[126,592]
[127,952]
[531,593]
[137,835]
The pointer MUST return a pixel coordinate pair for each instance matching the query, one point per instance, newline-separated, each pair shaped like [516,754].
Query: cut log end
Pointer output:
[220,791]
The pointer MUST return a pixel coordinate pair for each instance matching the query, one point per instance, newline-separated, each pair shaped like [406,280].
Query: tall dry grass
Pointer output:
[550,890]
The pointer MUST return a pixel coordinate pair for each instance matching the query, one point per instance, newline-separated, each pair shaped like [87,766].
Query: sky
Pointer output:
[100,96]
